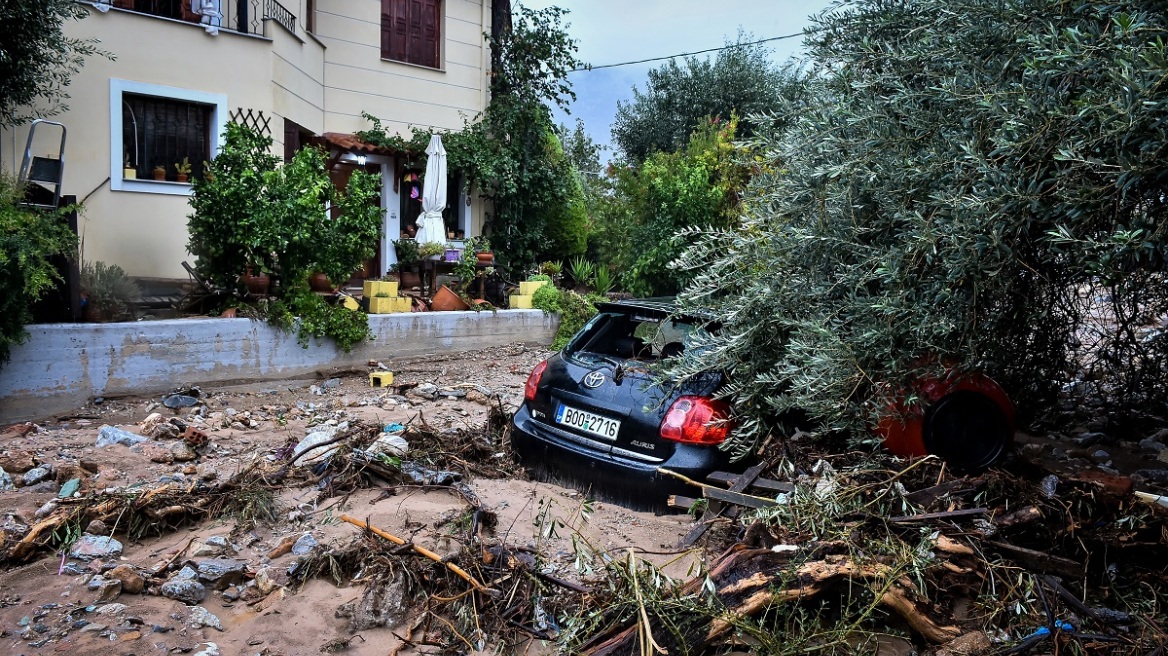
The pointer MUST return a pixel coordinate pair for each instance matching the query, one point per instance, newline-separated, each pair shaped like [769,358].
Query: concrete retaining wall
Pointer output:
[64,365]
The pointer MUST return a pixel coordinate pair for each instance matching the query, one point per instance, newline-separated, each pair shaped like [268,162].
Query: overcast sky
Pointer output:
[613,31]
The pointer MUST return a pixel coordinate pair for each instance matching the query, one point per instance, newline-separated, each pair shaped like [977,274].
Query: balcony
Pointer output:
[242,16]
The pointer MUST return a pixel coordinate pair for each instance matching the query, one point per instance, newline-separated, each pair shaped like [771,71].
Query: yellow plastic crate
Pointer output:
[528,287]
[372,288]
[380,378]
[520,302]
[390,305]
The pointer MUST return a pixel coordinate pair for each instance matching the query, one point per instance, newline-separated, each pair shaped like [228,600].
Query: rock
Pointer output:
[111,609]
[304,545]
[186,591]
[217,541]
[6,483]
[207,471]
[43,486]
[1100,454]
[476,396]
[12,530]
[231,594]
[70,488]
[267,579]
[1149,444]
[212,649]
[203,550]
[313,439]
[331,384]
[1084,440]
[47,509]
[150,424]
[380,605]
[89,547]
[36,475]
[108,435]
[132,581]
[201,617]
[390,445]
[94,628]
[221,573]
[17,463]
[284,547]
[182,452]
[452,393]
[969,644]
[97,527]
[107,589]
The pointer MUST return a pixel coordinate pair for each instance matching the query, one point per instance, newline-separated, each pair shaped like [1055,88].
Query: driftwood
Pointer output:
[749,581]
[420,550]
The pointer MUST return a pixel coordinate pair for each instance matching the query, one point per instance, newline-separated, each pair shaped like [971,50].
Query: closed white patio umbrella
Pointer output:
[430,225]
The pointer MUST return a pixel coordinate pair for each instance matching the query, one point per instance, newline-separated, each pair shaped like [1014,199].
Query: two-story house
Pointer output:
[299,69]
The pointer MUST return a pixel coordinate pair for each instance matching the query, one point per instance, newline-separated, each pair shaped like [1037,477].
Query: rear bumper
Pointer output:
[611,476]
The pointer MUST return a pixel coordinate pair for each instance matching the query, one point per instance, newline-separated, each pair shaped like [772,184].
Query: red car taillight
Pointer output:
[533,381]
[696,420]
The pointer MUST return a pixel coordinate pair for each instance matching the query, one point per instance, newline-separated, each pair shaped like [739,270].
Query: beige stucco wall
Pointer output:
[322,81]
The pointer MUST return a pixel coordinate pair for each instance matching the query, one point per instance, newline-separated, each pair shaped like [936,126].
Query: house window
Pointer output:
[162,132]
[411,31]
[310,16]
[155,127]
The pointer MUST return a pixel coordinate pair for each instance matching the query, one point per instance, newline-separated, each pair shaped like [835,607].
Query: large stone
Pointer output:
[220,573]
[107,589]
[109,435]
[36,475]
[186,591]
[132,581]
[428,391]
[268,579]
[5,481]
[201,617]
[17,463]
[89,547]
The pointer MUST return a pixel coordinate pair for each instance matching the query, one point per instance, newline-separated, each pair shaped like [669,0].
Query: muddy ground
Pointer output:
[48,606]
[57,603]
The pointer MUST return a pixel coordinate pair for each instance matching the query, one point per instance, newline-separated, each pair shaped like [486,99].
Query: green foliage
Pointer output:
[232,228]
[574,309]
[108,290]
[311,316]
[974,183]
[407,252]
[582,271]
[27,242]
[742,79]
[249,212]
[37,60]
[698,187]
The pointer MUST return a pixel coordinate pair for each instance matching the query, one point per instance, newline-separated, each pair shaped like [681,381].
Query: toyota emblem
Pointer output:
[594,379]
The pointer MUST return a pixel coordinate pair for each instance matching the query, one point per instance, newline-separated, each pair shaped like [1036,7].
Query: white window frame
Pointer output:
[219,117]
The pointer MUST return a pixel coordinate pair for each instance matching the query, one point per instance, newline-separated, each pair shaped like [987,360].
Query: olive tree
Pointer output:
[978,184]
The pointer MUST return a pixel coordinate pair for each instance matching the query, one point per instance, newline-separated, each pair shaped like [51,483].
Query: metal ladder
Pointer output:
[46,172]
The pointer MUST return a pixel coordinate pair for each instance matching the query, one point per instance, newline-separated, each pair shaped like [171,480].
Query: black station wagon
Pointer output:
[593,415]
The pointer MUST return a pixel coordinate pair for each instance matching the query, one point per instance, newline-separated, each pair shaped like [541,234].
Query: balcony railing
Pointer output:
[243,16]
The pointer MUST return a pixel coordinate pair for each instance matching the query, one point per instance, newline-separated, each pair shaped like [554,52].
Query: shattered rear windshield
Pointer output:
[616,337]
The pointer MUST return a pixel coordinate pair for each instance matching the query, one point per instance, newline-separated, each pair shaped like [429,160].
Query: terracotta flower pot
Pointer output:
[257,284]
[447,301]
[486,257]
[318,282]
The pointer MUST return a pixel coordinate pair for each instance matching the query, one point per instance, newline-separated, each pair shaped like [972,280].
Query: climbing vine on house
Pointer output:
[511,154]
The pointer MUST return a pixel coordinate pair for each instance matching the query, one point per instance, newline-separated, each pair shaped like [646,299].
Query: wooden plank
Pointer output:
[736,498]
[678,501]
[766,484]
[948,514]
[1039,560]
[742,482]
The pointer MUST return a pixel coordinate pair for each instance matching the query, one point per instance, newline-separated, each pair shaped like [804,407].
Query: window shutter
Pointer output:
[411,31]
[429,42]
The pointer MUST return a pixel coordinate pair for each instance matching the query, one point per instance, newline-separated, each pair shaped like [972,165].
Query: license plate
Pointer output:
[587,422]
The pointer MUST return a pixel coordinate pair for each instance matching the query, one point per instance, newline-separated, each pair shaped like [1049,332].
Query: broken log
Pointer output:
[749,581]
[420,550]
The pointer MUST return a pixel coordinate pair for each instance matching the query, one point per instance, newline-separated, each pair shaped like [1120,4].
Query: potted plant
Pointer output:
[128,171]
[183,169]
[431,250]
[481,247]
[109,294]
[160,172]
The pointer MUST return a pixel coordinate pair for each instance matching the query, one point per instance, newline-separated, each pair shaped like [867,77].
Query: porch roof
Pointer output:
[351,143]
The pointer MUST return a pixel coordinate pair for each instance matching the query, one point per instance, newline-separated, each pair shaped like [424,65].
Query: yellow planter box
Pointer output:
[388,305]
[374,287]
[521,301]
[528,287]
[351,303]
[380,378]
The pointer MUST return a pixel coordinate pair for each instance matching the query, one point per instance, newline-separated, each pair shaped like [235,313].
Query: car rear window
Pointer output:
[619,336]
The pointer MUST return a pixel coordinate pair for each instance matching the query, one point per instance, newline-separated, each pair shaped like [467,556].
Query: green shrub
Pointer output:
[311,316]
[109,292]
[27,242]
[574,309]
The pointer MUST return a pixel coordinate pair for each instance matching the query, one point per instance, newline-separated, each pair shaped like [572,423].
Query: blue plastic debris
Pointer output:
[1045,630]
[393,428]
